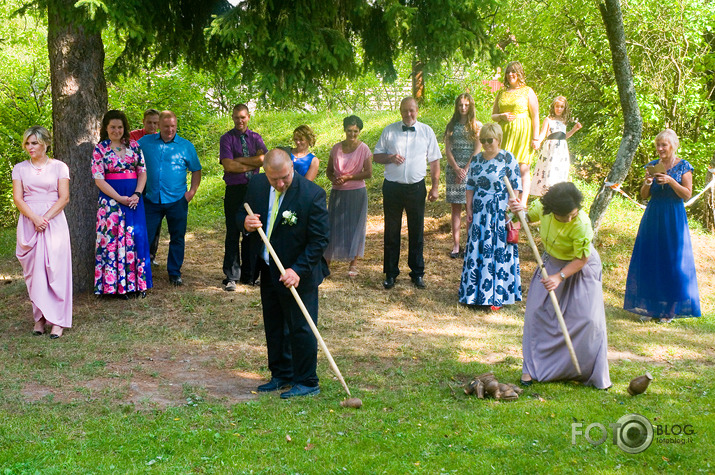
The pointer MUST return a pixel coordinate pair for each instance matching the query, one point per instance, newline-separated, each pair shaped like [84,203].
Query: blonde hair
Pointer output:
[41,134]
[669,136]
[566,114]
[491,130]
[305,132]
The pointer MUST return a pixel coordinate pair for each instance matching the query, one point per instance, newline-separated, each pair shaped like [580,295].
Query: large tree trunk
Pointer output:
[79,99]
[632,122]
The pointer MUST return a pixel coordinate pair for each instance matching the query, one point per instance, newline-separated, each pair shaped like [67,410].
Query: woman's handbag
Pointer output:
[512,232]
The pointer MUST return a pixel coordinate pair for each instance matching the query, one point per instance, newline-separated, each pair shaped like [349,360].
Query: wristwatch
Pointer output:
[563,276]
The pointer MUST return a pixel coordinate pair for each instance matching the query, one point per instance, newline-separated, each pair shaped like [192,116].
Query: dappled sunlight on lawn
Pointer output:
[177,336]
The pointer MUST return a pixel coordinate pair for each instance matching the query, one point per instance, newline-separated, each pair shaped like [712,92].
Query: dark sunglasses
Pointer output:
[483,141]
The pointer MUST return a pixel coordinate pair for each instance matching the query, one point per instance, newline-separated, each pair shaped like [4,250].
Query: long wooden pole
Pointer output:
[545,275]
[322,344]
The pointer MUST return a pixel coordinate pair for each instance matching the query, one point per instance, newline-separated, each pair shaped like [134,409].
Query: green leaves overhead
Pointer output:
[293,45]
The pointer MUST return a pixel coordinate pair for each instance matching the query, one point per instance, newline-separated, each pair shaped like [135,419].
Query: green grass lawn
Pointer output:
[164,384]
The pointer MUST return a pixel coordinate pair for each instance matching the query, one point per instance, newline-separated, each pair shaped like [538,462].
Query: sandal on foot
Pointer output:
[56,332]
[39,328]
[352,271]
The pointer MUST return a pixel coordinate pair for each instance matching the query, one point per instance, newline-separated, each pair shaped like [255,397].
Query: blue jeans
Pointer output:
[176,214]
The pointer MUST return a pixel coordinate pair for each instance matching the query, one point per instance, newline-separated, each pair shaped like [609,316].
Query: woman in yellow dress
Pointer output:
[516,108]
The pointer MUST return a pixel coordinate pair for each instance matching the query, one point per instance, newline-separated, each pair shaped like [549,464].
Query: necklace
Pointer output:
[546,235]
[39,169]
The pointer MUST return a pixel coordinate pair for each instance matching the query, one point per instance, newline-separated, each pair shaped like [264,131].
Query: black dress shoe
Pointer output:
[274,385]
[176,280]
[389,283]
[419,282]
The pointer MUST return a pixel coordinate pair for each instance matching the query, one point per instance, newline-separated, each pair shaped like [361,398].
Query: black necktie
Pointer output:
[405,128]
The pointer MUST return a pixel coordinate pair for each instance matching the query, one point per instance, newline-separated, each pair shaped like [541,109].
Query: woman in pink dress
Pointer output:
[350,163]
[41,190]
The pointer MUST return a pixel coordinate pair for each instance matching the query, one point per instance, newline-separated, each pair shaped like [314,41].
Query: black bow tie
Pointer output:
[405,128]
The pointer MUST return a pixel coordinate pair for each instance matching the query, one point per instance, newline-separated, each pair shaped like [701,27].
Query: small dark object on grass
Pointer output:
[353,402]
[638,385]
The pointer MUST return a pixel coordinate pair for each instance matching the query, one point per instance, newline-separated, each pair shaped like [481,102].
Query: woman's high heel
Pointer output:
[39,328]
[56,332]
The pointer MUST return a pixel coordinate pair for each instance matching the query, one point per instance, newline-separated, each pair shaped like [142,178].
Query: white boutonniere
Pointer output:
[289,218]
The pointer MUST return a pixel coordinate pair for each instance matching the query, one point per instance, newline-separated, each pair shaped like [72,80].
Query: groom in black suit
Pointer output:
[292,212]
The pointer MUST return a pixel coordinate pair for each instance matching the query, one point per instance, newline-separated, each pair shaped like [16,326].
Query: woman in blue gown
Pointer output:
[661,282]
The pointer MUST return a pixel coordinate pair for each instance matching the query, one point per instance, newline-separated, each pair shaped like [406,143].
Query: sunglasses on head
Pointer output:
[489,141]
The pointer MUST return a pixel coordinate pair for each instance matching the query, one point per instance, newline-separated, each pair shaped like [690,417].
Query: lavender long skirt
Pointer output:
[580,296]
[348,224]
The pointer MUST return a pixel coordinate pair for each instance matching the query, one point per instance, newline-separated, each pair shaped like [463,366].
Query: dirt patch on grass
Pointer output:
[198,342]
[156,382]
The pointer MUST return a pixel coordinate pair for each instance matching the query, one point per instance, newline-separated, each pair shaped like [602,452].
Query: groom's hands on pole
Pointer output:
[252,222]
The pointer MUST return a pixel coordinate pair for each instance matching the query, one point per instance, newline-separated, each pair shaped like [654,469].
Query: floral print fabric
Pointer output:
[122,247]
[491,274]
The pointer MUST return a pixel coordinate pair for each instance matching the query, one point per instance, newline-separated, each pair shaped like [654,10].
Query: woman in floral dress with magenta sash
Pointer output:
[122,247]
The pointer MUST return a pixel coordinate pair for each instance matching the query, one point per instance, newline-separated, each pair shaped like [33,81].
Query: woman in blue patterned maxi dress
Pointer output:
[490,275]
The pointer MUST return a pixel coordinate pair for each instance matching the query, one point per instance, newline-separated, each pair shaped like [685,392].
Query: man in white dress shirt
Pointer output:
[404,148]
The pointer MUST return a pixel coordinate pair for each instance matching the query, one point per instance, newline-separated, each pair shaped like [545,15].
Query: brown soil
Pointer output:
[199,341]
[157,382]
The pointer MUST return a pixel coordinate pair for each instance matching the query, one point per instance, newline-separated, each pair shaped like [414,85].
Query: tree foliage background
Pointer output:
[672,51]
[562,45]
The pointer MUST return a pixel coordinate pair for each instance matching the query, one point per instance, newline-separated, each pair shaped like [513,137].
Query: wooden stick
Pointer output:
[300,304]
[545,275]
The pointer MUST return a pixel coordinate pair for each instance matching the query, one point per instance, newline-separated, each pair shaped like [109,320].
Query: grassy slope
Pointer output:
[67,406]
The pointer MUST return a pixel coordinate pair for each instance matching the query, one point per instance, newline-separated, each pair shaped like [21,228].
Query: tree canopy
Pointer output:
[283,45]
[294,45]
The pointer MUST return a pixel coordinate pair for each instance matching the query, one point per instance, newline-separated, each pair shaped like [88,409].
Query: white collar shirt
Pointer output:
[418,147]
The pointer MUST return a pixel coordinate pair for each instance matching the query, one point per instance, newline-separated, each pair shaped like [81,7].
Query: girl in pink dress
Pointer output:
[40,189]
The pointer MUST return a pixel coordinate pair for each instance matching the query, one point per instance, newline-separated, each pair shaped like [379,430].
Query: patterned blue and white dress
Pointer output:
[491,274]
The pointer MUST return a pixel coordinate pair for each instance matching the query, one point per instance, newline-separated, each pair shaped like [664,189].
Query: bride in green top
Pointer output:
[574,274]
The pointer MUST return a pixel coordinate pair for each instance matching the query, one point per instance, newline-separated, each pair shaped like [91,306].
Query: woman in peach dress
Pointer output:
[40,189]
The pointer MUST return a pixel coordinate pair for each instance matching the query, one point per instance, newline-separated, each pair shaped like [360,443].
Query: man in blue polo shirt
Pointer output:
[168,157]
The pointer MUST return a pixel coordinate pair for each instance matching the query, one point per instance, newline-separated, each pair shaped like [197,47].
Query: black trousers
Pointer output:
[397,197]
[236,263]
[292,347]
